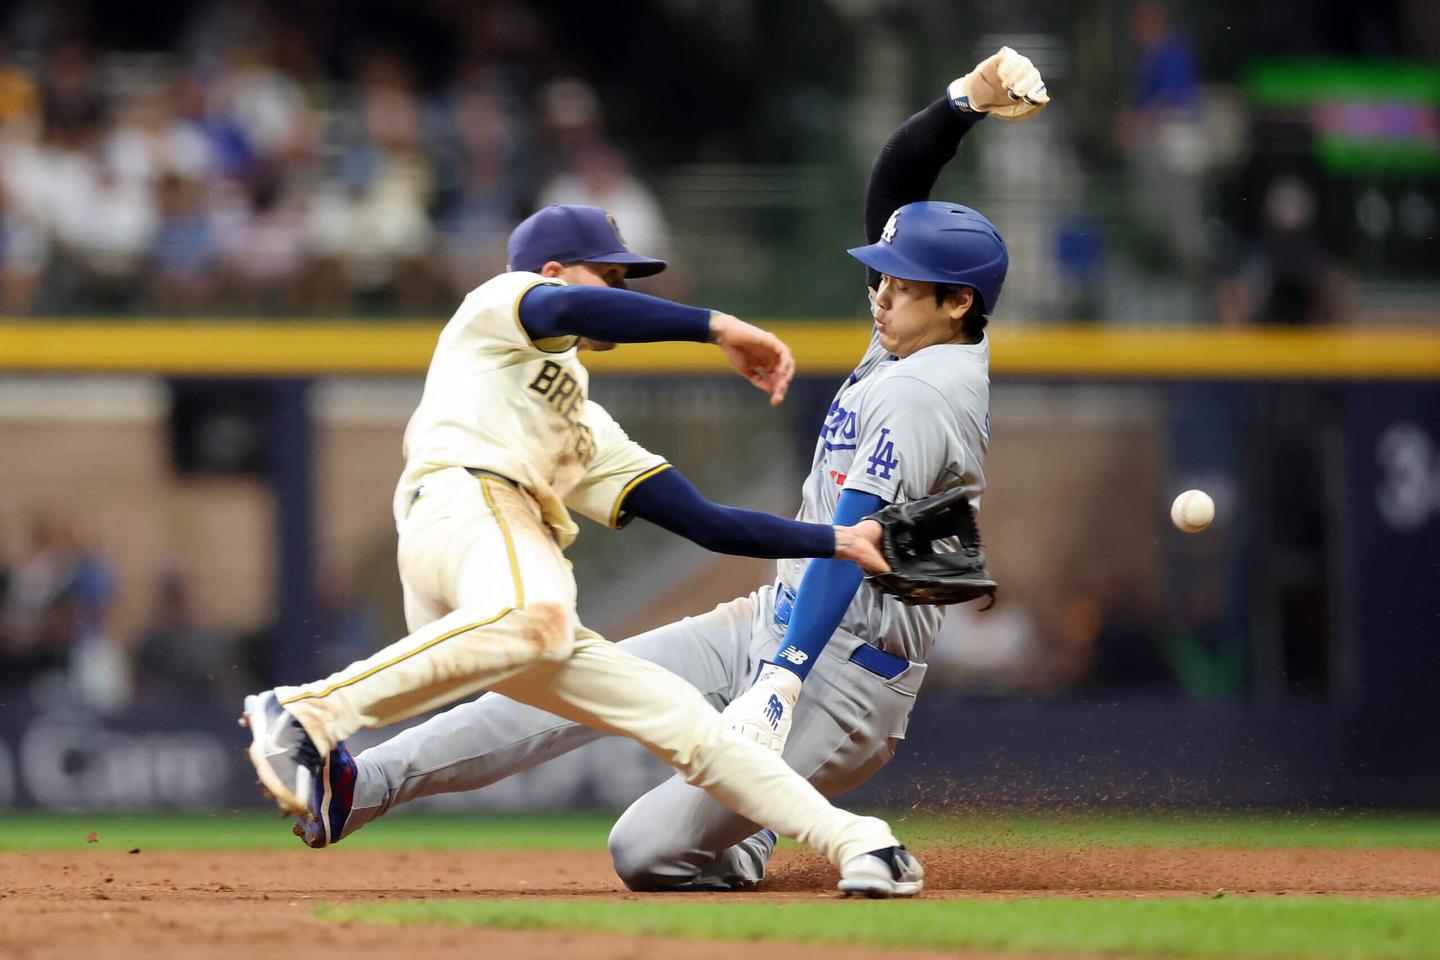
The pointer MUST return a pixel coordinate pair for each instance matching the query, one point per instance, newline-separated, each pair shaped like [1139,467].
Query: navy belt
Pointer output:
[475,472]
[479,474]
[871,658]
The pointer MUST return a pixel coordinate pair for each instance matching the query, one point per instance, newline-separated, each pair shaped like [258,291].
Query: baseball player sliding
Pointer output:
[912,419]
[504,444]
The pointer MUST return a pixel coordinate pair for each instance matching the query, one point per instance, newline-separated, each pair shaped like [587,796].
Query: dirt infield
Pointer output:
[211,905]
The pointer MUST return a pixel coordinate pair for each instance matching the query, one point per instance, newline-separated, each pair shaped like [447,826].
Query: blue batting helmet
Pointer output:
[941,243]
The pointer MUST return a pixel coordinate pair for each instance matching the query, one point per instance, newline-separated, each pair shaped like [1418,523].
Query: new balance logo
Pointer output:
[774,710]
[794,654]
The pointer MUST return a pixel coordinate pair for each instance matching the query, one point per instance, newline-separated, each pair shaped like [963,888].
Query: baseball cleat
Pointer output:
[892,872]
[281,752]
[332,790]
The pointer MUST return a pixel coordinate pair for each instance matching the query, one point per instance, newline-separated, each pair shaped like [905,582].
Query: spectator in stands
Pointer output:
[375,220]
[1164,139]
[1165,76]
[70,94]
[174,657]
[184,256]
[19,98]
[58,593]
[23,248]
[484,170]
[99,670]
[263,103]
[1287,276]
[346,626]
[591,170]
[260,232]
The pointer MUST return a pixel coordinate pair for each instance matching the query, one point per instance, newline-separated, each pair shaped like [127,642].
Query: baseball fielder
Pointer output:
[504,444]
[912,419]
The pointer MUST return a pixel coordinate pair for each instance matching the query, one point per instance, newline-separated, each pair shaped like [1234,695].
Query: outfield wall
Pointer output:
[1283,656]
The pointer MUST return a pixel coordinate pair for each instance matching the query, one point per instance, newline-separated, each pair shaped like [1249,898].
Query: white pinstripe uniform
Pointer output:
[505,441]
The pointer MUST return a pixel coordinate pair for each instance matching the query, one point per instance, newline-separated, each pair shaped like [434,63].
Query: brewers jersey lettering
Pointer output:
[498,401]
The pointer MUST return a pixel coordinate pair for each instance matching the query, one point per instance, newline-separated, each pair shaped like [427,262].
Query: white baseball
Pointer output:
[1192,511]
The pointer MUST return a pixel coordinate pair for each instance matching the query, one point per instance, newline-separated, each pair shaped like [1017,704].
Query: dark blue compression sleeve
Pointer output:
[825,592]
[609,314]
[671,501]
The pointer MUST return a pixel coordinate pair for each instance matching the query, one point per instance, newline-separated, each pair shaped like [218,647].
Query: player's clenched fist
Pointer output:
[757,355]
[1004,85]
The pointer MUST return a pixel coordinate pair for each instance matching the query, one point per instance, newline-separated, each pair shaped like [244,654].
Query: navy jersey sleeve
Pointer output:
[669,500]
[609,314]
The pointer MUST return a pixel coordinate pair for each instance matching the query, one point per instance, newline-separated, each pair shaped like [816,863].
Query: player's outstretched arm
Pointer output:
[670,500]
[612,315]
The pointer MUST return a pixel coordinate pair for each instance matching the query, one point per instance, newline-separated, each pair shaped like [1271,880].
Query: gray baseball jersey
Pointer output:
[900,429]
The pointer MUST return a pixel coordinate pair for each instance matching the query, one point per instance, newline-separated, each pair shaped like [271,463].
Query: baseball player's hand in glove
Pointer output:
[762,713]
[1004,85]
[860,545]
[757,355]
[920,574]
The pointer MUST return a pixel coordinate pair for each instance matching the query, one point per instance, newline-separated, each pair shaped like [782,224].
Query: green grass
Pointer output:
[1228,927]
[251,830]
[260,831]
[1244,829]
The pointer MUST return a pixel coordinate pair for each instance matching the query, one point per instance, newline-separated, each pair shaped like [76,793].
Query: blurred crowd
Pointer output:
[253,159]
[57,595]
[238,173]
[61,641]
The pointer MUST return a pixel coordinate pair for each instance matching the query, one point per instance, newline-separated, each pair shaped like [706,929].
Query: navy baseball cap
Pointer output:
[574,233]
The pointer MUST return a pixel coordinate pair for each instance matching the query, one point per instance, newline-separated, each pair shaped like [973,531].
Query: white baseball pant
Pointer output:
[491,601]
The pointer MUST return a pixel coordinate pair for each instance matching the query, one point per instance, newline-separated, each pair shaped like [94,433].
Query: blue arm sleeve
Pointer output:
[825,591]
[609,314]
[670,500]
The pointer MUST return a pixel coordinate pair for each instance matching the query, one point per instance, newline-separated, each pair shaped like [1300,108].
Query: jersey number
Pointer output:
[883,460]
[839,427]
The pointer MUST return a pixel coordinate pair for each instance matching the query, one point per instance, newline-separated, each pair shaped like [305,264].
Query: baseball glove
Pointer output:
[917,573]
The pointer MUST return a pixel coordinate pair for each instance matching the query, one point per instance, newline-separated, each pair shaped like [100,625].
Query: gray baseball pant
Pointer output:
[675,837]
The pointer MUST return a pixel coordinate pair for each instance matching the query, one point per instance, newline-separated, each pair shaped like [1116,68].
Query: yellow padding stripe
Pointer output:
[509,545]
[295,347]
[625,491]
[404,656]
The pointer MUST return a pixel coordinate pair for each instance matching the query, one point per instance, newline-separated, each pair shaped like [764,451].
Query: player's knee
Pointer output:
[638,860]
[548,628]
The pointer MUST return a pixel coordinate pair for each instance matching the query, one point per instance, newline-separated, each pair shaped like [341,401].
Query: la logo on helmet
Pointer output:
[888,234]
